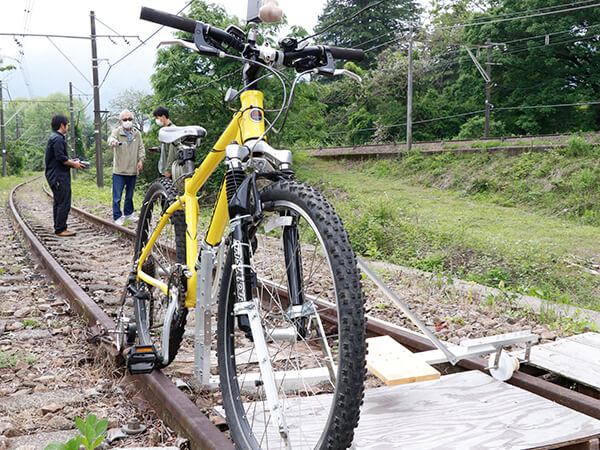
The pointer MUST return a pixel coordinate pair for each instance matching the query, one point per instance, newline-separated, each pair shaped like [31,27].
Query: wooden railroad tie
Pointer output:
[394,364]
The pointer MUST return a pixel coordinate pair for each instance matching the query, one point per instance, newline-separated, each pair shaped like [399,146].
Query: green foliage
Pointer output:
[474,128]
[7,67]
[469,232]
[577,146]
[35,129]
[32,323]
[10,359]
[371,27]
[91,436]
[15,157]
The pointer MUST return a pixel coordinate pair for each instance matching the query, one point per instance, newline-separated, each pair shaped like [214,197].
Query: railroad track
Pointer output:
[92,269]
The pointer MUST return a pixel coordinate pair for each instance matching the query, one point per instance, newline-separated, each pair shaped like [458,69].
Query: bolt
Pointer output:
[133,426]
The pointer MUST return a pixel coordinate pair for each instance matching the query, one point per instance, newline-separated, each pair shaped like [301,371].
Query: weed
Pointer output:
[577,146]
[90,438]
[10,359]
[32,323]
[458,321]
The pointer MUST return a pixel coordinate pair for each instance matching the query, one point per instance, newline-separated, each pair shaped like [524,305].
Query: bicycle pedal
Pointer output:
[141,359]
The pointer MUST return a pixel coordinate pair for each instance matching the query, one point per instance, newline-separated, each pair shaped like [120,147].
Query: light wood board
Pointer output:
[468,410]
[576,358]
[394,364]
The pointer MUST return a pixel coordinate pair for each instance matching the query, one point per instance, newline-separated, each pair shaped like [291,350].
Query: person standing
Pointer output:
[168,152]
[58,174]
[128,161]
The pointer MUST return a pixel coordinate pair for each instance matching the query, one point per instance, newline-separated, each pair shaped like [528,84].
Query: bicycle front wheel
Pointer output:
[168,251]
[311,308]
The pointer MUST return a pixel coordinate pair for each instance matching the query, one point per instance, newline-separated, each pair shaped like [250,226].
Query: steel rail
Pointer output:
[172,405]
[416,341]
[375,327]
[561,395]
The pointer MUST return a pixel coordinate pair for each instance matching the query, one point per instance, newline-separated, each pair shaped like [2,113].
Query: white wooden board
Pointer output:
[575,357]
[468,410]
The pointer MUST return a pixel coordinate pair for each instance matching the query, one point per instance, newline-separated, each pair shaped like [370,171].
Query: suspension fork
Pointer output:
[293,267]
[244,204]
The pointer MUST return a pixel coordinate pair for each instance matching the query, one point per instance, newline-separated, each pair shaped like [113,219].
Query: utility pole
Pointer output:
[488,86]
[2,132]
[409,93]
[72,134]
[97,122]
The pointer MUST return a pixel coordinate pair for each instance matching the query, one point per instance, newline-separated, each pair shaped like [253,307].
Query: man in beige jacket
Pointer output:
[128,160]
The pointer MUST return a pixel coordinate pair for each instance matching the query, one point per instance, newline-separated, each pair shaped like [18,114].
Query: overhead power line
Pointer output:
[70,62]
[143,42]
[509,19]
[470,113]
[527,11]
[68,36]
[345,19]
[198,88]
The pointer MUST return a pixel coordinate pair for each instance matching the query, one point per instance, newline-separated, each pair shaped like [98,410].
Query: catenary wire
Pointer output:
[70,62]
[473,21]
[345,19]
[110,66]
[470,113]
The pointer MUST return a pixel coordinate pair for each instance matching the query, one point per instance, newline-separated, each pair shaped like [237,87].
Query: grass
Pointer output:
[413,212]
[32,323]
[87,195]
[10,359]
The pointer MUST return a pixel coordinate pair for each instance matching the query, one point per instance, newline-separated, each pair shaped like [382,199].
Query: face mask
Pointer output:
[159,122]
[127,124]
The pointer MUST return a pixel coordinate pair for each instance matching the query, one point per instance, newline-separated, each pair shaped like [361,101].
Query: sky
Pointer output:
[43,70]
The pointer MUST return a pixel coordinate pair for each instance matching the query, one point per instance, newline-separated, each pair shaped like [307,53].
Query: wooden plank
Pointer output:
[575,357]
[394,364]
[592,339]
[467,410]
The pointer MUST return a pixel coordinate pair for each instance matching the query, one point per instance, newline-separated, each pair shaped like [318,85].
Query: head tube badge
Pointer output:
[256,115]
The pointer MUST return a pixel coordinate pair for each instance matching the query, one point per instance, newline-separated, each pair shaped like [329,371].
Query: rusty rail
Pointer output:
[172,405]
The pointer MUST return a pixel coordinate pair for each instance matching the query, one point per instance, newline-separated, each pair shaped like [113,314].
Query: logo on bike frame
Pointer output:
[256,115]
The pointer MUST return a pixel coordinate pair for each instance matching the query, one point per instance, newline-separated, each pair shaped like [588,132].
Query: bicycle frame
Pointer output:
[246,124]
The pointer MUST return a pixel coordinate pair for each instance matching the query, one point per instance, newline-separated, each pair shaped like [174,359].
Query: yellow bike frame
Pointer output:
[248,123]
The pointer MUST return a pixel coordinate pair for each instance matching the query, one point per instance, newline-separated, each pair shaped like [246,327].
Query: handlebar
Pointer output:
[290,56]
[168,20]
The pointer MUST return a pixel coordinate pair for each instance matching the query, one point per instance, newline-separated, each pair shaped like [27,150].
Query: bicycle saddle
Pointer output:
[168,135]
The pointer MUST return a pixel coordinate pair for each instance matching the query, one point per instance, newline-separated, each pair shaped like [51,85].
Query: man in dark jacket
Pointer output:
[58,174]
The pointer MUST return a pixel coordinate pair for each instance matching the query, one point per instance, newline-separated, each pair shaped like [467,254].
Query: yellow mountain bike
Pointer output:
[290,319]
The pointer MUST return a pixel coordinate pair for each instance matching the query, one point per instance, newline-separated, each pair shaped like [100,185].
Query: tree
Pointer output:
[373,27]
[6,68]
[35,118]
[137,103]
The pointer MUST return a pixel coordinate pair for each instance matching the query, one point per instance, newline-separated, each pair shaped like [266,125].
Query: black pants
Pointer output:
[61,205]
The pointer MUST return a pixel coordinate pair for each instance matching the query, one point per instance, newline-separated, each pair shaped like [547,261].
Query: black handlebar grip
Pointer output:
[354,54]
[169,20]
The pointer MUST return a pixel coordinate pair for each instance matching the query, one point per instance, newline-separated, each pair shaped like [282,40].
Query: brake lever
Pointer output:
[187,44]
[348,73]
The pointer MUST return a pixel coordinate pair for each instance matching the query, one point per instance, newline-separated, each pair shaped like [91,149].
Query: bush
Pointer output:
[15,161]
[577,146]
[474,128]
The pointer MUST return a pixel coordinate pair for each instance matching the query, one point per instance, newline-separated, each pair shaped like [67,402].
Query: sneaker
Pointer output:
[120,221]
[131,217]
[66,233]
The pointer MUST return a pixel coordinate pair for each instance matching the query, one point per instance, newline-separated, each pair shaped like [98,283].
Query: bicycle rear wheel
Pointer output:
[168,251]
[311,307]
